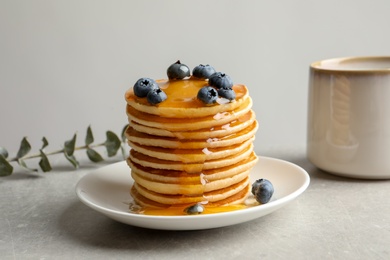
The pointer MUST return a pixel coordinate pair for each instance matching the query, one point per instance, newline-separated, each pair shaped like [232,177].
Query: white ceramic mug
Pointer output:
[349,117]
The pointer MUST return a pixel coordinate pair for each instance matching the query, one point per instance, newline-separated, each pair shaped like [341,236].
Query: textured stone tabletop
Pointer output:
[336,218]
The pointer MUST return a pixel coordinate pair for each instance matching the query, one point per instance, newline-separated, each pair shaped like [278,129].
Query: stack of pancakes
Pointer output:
[185,152]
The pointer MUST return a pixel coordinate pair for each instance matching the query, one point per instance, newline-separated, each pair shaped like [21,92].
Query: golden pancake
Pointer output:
[178,124]
[148,204]
[188,189]
[214,132]
[151,140]
[155,163]
[191,155]
[212,196]
[184,151]
[182,101]
[178,177]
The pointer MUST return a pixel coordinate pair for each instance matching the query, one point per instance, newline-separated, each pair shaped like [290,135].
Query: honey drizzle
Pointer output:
[179,211]
[182,93]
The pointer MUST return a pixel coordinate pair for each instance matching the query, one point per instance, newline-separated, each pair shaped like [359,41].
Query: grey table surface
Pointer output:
[335,218]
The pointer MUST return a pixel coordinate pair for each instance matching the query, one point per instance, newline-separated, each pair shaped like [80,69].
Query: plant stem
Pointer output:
[37,155]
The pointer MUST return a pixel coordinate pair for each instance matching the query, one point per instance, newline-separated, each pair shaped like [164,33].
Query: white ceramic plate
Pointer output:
[106,190]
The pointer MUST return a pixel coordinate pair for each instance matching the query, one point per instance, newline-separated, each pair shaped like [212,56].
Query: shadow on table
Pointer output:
[86,226]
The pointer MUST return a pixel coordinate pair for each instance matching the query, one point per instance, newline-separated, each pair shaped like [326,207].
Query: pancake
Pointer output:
[217,131]
[217,196]
[134,136]
[193,168]
[148,204]
[178,177]
[190,188]
[191,155]
[184,151]
[182,101]
[194,123]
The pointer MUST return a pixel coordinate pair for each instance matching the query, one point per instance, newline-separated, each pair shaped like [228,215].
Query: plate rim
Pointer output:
[272,205]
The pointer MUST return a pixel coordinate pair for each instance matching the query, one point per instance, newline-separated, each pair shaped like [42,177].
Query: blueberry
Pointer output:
[194,209]
[263,190]
[156,96]
[208,95]
[178,71]
[203,71]
[220,80]
[143,86]
[227,93]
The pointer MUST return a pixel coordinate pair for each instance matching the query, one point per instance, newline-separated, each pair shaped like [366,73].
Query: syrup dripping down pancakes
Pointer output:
[185,152]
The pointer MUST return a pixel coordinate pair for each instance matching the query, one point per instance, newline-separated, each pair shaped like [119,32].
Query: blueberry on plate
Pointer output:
[208,95]
[263,190]
[156,96]
[203,71]
[178,71]
[220,80]
[227,93]
[143,86]
[194,209]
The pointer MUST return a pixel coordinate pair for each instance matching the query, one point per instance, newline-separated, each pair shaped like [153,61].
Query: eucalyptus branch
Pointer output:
[37,155]
[113,143]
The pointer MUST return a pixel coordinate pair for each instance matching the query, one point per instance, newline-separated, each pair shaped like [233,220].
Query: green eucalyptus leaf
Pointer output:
[44,162]
[23,164]
[112,143]
[93,155]
[72,160]
[24,148]
[4,152]
[70,146]
[123,134]
[5,167]
[45,143]
[89,137]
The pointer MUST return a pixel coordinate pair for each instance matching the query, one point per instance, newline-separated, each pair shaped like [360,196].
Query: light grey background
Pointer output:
[65,65]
